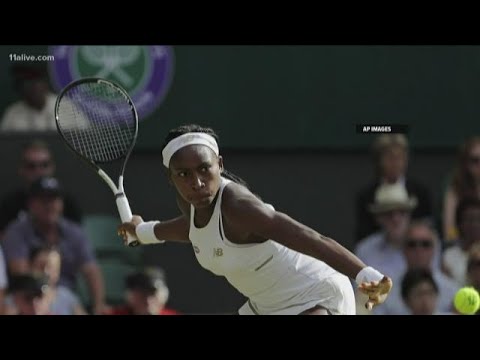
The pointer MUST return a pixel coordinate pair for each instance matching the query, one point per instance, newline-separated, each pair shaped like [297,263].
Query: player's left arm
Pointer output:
[243,209]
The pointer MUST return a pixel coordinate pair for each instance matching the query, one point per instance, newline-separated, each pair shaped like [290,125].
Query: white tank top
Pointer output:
[267,273]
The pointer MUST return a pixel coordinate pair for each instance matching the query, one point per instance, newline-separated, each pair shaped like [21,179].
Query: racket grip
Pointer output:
[126,216]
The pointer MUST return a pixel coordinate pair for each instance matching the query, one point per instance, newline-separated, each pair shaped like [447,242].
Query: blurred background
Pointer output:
[286,118]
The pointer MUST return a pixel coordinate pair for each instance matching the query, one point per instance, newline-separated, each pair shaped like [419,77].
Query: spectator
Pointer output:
[29,294]
[473,268]
[421,248]
[383,249]
[420,292]
[35,109]
[45,226]
[146,294]
[391,160]
[465,184]
[467,219]
[36,161]
[46,261]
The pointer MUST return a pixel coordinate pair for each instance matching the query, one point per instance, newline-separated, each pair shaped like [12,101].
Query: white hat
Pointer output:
[390,197]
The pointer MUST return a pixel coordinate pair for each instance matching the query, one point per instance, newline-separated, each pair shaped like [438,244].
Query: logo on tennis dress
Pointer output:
[217,252]
[145,72]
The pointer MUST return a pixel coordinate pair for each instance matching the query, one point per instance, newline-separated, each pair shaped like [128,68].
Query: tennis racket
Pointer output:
[97,120]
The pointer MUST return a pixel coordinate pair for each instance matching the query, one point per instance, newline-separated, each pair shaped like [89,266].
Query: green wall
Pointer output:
[312,96]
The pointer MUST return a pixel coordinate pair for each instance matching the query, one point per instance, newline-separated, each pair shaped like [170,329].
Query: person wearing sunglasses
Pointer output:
[391,158]
[420,249]
[392,209]
[35,162]
[465,183]
[467,220]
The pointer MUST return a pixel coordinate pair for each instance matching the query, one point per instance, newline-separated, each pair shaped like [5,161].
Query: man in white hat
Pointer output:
[392,209]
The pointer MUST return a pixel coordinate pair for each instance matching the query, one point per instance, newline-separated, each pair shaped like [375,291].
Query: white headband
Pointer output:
[181,141]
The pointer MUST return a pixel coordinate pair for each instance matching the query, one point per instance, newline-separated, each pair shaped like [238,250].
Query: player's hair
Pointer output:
[184,129]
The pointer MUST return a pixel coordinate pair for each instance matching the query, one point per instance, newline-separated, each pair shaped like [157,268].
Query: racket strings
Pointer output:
[97,120]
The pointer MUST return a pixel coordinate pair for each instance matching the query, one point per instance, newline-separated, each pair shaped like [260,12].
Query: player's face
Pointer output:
[195,171]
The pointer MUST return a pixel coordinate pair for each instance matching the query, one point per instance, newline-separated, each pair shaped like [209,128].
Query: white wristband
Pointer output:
[146,234]
[368,274]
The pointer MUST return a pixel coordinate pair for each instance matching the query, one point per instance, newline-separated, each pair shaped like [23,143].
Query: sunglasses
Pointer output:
[425,244]
[31,165]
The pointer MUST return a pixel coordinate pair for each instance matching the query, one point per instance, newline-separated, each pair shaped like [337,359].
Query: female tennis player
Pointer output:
[279,264]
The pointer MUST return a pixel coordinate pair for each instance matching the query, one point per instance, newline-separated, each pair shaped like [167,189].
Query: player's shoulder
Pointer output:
[234,193]
[238,201]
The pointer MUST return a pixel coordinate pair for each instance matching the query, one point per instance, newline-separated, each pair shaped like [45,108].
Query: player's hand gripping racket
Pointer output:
[98,121]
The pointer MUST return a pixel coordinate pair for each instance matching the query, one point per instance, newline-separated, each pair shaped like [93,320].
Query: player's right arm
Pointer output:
[169,230]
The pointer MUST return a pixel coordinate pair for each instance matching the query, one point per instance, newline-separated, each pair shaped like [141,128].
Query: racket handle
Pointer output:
[126,216]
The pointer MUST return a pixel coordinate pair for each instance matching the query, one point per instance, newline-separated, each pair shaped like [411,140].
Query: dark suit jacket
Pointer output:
[365,223]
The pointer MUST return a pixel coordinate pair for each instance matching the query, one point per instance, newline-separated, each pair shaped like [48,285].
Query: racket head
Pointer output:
[97,119]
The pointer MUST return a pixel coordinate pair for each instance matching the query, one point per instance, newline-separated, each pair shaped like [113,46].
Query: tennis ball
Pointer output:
[467,301]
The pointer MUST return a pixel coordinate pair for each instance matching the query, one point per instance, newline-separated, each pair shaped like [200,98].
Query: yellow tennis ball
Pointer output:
[467,301]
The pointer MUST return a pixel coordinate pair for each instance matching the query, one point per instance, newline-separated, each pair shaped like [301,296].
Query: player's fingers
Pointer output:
[127,228]
[372,285]
[386,283]
[369,305]
[369,285]
[368,291]
[120,229]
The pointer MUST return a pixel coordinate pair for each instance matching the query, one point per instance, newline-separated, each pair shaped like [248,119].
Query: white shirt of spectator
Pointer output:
[20,117]
[455,260]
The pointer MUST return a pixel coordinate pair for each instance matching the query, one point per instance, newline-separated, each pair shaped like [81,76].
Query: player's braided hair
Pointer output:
[184,129]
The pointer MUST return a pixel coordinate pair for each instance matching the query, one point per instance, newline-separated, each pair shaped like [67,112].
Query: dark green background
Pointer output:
[312,96]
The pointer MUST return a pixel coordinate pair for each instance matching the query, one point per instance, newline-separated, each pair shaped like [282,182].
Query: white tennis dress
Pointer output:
[276,279]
